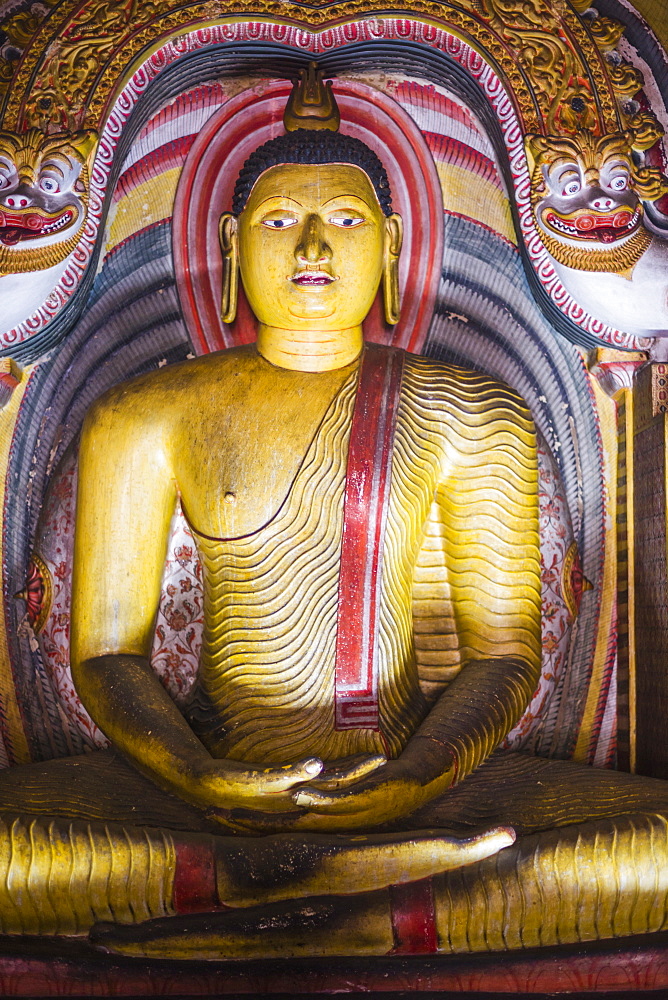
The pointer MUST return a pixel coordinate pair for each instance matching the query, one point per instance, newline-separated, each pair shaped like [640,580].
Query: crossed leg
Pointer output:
[591,863]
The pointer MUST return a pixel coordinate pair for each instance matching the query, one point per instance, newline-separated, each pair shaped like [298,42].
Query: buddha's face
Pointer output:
[312,245]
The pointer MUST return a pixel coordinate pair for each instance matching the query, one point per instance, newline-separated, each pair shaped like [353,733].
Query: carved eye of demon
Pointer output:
[620,183]
[572,188]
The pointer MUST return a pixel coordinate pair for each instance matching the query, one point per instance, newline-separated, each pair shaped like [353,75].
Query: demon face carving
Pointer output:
[43,197]
[586,196]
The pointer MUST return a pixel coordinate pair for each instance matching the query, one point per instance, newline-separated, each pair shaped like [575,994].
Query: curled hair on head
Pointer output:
[309,147]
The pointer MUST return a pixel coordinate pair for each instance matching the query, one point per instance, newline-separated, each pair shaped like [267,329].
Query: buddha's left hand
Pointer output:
[391,791]
[357,793]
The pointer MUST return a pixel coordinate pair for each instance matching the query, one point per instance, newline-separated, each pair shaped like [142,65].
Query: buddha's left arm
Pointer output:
[488,495]
[489,503]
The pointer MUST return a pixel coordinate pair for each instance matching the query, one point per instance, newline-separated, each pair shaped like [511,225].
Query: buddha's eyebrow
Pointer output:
[281,197]
[347,198]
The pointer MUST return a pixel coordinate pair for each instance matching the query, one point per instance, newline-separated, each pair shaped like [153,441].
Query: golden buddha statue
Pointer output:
[350,503]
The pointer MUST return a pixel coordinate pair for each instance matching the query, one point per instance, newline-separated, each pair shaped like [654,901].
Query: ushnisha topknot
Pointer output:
[311,119]
[311,147]
[311,104]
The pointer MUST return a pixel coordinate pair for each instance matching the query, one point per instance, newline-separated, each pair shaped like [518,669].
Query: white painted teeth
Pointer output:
[58,224]
[562,227]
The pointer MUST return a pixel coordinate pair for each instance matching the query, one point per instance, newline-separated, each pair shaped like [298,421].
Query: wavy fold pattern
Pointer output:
[265,691]
[119,874]
[585,883]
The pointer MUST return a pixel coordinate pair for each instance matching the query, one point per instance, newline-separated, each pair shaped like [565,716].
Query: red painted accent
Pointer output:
[195,889]
[8,380]
[449,150]
[622,966]
[34,592]
[207,183]
[368,476]
[413,918]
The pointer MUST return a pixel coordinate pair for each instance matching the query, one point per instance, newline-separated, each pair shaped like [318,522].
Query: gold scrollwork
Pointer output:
[607,32]
[59,97]
[18,30]
[626,79]
[650,183]
[77,62]
[518,15]
[645,128]
[559,59]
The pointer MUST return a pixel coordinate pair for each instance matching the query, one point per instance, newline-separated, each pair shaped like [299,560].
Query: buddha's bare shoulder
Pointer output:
[177,390]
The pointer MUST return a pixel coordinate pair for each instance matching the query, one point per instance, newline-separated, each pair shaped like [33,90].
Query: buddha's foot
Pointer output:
[335,925]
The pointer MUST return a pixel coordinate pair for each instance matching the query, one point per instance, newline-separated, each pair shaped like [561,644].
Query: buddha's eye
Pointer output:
[49,184]
[620,182]
[346,220]
[282,222]
[572,187]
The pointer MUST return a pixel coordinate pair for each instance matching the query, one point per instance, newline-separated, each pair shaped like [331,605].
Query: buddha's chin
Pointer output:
[312,312]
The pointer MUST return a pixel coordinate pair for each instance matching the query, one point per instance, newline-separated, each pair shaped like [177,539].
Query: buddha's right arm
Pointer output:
[126,497]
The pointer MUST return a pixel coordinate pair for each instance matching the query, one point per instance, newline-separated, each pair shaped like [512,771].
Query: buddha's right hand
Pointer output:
[218,786]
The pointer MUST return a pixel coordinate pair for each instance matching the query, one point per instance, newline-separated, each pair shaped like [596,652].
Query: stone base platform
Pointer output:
[39,967]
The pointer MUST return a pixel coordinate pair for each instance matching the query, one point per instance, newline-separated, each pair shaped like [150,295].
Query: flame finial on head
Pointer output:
[311,104]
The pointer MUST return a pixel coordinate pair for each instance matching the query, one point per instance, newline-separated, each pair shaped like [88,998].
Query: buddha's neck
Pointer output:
[310,351]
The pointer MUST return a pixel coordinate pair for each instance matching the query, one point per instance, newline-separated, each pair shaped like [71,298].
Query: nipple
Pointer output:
[230,497]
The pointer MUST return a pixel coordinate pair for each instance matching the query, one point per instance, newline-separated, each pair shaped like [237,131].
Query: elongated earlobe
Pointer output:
[394,231]
[229,245]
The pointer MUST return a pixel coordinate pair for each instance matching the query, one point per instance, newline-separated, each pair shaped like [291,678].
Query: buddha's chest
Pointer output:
[247,451]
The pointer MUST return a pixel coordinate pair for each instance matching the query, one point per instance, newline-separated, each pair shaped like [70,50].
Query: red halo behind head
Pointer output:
[207,185]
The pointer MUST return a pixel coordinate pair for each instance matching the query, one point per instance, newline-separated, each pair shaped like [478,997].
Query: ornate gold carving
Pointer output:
[650,183]
[589,150]
[59,97]
[568,176]
[43,197]
[547,56]
[518,15]
[607,32]
[645,128]
[617,259]
[19,29]
[626,79]
[545,51]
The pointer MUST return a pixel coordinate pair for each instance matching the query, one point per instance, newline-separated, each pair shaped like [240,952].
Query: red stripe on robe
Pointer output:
[368,475]
[195,885]
[414,918]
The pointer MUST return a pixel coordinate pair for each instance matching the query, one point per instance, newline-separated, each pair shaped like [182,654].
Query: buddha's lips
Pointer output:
[312,279]
[32,224]
[596,226]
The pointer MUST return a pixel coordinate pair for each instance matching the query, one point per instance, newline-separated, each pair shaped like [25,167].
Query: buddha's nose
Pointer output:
[312,248]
